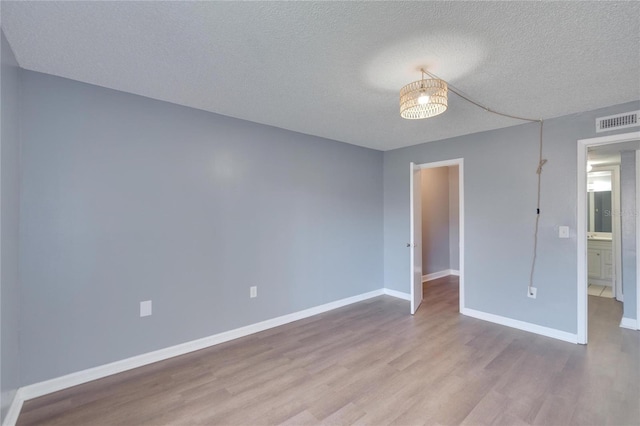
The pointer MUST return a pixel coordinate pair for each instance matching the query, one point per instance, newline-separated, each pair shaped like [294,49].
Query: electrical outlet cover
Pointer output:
[532,292]
[563,232]
[145,308]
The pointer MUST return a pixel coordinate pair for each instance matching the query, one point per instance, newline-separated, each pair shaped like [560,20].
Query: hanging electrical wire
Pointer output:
[541,163]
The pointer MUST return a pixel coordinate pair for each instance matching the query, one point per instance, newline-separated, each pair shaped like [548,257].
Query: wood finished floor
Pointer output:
[373,364]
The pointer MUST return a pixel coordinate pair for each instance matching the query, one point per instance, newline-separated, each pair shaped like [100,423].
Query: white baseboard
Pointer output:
[521,325]
[629,323]
[440,274]
[14,409]
[398,294]
[42,388]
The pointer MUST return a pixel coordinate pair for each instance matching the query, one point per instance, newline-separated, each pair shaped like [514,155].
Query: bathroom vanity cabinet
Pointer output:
[600,261]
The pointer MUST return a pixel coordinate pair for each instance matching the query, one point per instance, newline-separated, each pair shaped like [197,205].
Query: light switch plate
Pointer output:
[563,232]
[145,308]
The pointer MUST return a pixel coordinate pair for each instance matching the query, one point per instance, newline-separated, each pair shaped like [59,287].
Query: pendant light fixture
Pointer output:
[424,98]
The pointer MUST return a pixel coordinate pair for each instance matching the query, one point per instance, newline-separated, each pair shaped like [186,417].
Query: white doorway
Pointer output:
[581,232]
[415,233]
[604,242]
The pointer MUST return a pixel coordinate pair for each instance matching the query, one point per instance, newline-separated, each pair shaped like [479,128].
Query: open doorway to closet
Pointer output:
[437,231]
[440,234]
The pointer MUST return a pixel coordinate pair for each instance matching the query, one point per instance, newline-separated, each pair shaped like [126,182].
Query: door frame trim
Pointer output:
[622,323]
[446,163]
[414,282]
[581,227]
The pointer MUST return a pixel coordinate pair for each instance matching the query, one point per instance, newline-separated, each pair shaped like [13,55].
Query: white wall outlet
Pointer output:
[532,292]
[563,232]
[253,291]
[145,308]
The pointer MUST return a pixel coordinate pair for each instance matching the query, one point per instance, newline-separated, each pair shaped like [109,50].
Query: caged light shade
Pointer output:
[423,98]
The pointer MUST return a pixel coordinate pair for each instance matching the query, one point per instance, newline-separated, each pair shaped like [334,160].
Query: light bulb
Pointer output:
[423,99]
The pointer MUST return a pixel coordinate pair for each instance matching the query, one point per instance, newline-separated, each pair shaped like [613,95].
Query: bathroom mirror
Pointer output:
[599,201]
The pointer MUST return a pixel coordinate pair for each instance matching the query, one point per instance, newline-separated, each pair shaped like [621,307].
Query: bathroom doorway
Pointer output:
[603,225]
[627,146]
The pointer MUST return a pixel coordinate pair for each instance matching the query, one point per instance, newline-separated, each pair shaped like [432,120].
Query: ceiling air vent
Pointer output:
[618,121]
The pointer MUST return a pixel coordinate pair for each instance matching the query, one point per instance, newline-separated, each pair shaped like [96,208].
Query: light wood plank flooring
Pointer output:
[374,364]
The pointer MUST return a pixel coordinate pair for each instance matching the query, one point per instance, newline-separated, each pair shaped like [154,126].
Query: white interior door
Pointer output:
[415,244]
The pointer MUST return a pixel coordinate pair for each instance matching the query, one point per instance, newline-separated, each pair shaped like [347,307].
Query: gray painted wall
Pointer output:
[454,218]
[9,227]
[435,219]
[127,199]
[500,200]
[628,228]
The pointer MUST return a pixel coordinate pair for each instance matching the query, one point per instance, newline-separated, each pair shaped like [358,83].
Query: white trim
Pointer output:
[581,236]
[439,274]
[581,231]
[436,164]
[460,163]
[14,409]
[617,237]
[461,234]
[415,267]
[521,325]
[629,323]
[435,275]
[39,389]
[397,294]
[637,238]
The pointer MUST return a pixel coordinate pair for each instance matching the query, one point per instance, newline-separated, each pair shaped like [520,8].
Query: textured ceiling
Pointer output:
[334,69]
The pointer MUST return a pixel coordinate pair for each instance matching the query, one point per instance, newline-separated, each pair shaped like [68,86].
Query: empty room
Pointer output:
[309,212]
